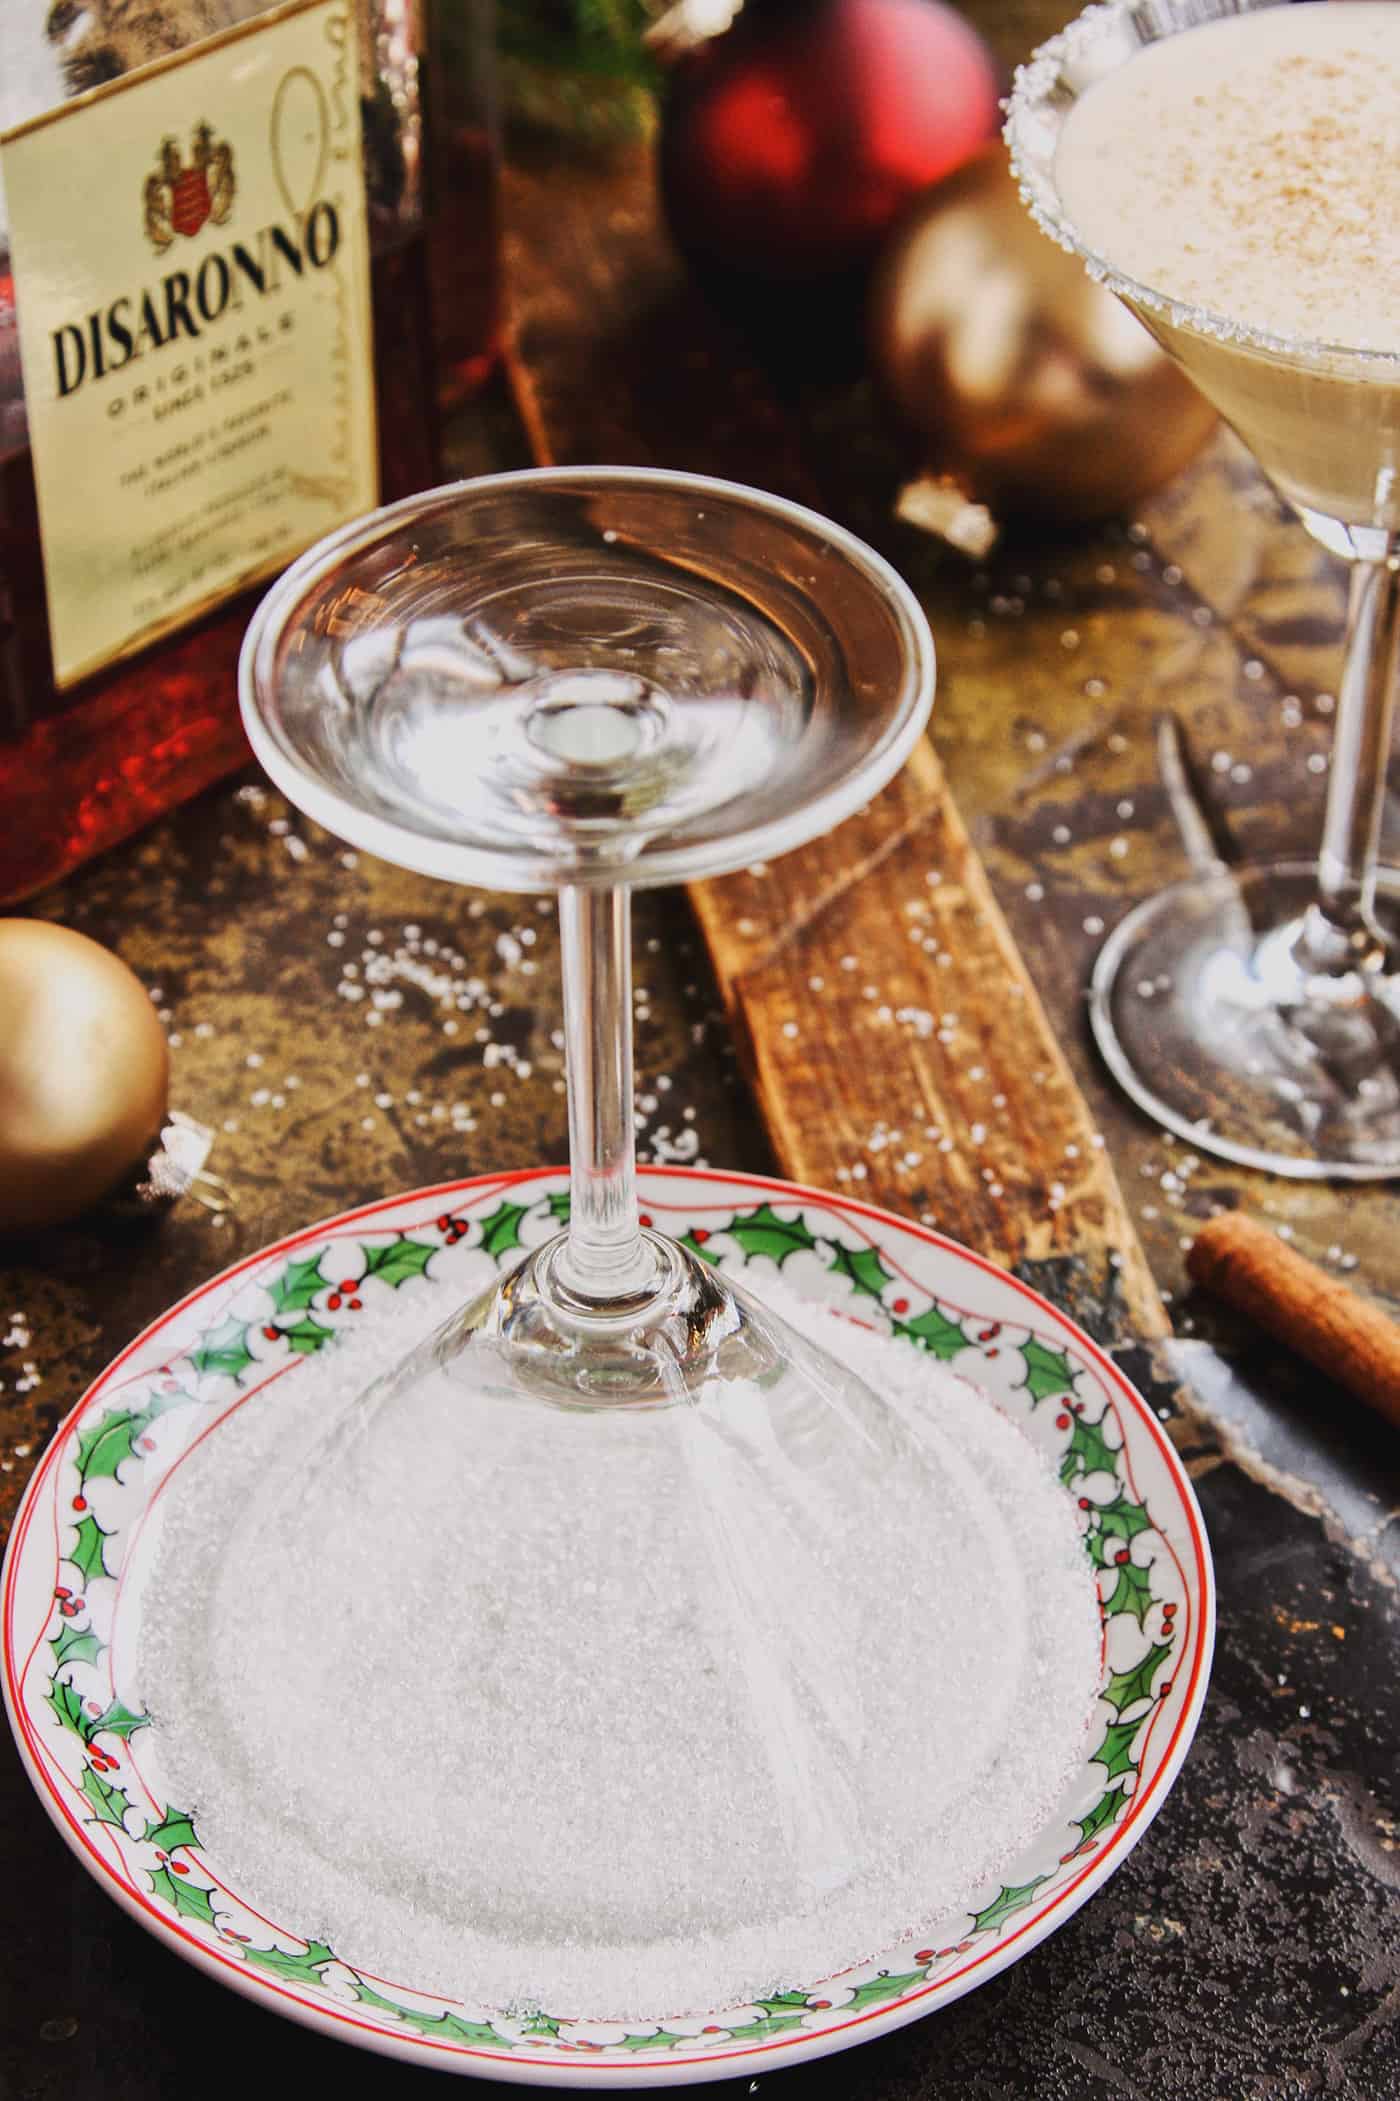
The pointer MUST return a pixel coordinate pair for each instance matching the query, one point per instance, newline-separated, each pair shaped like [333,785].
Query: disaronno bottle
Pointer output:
[215,345]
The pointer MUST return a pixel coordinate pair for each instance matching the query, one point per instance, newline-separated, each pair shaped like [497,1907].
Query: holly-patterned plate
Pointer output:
[90,1756]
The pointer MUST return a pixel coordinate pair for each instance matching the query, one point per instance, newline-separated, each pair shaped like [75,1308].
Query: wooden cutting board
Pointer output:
[895,1039]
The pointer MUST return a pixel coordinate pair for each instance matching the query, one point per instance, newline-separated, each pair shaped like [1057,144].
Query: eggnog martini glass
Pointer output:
[1228,167]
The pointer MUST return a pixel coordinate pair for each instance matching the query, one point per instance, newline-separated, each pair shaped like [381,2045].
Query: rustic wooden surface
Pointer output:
[1248,1948]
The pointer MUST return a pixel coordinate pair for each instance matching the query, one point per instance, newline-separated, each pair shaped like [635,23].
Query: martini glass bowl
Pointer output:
[1256,1011]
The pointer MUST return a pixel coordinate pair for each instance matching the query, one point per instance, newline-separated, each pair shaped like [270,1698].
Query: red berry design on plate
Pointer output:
[271,1334]
[80,1502]
[69,1608]
[333,1302]
[177,1867]
[989,1334]
[355,1305]
[924,1955]
[900,1306]
[61,1590]
[644,1219]
[148,1444]
[701,1234]
[348,1284]
[1120,1557]
[1061,1422]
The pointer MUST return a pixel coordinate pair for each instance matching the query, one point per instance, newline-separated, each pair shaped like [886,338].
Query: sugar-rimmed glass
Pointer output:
[1256,1011]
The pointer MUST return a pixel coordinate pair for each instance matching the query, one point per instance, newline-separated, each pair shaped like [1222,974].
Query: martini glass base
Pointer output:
[681,1332]
[1206,1020]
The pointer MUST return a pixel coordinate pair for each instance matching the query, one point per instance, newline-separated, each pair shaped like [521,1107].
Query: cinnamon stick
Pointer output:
[1341,1333]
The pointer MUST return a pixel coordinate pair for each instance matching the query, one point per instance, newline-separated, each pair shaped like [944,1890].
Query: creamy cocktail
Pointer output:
[1232,169]
[1249,170]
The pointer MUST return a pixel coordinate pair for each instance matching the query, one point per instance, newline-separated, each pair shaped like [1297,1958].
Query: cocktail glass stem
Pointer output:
[1341,933]
[605,1256]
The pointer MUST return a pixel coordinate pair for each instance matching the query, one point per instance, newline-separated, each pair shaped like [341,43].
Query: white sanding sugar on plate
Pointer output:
[622,1714]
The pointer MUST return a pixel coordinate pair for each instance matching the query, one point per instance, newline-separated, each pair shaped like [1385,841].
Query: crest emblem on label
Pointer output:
[185,196]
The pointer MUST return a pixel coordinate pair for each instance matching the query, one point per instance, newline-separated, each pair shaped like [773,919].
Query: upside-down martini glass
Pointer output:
[1256,1011]
[591,680]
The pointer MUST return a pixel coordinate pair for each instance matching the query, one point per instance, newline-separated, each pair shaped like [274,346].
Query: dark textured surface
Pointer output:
[1249,1949]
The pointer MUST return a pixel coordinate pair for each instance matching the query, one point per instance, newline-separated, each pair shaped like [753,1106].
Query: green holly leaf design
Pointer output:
[448,2024]
[398,1260]
[559,1212]
[306,1336]
[1088,1451]
[75,1645]
[298,1285]
[1123,1518]
[174,1829]
[1126,1688]
[118,1720]
[480,2033]
[762,1232]
[1131,1593]
[659,2039]
[224,1350]
[187,1898]
[106,1446]
[88,1543]
[888,1985]
[109,1804]
[1047,1371]
[934,1332]
[304,1968]
[67,1704]
[783,2003]
[1099,1550]
[543,2024]
[501,1231]
[762,2031]
[1009,1899]
[1103,1813]
[1112,1753]
[862,1268]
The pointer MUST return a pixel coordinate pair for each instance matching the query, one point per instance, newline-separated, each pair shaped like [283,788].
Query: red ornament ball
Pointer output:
[790,145]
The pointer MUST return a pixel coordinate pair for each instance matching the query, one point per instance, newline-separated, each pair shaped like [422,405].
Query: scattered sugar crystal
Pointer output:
[621,1713]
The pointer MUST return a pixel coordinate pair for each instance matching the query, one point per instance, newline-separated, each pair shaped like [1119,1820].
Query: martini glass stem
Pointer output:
[1341,933]
[605,1257]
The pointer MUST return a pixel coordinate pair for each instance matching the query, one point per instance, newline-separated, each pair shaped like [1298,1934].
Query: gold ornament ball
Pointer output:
[84,1073]
[1032,385]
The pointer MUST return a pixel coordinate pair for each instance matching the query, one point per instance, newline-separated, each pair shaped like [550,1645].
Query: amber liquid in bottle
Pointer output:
[86,767]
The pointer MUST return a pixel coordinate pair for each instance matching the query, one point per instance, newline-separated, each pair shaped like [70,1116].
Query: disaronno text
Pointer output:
[184,304]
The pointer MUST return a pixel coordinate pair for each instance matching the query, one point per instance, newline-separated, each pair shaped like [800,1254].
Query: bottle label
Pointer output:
[191,265]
